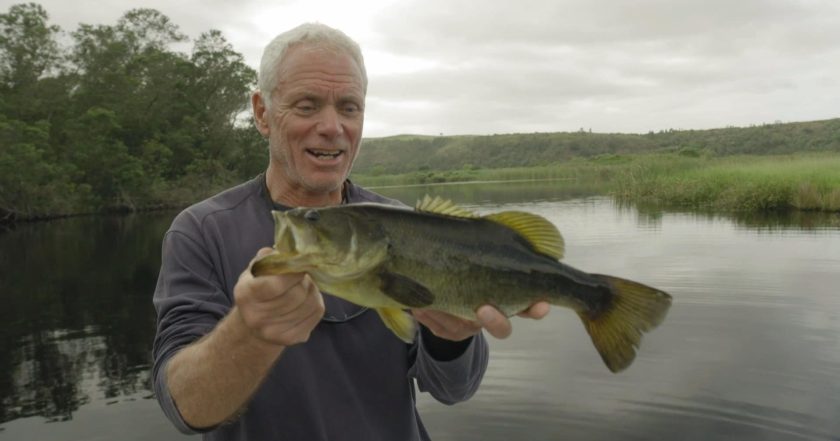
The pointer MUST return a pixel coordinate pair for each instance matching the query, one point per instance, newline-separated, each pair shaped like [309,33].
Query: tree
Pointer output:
[102,161]
[28,49]
[222,86]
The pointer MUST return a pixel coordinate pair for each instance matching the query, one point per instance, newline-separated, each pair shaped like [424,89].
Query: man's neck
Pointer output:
[291,196]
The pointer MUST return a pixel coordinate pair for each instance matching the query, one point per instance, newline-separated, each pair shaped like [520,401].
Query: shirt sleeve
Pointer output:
[189,302]
[454,380]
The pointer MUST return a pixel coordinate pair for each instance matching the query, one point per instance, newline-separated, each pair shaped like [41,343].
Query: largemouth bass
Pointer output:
[440,256]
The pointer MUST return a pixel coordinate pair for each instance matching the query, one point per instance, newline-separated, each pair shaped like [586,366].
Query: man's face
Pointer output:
[314,121]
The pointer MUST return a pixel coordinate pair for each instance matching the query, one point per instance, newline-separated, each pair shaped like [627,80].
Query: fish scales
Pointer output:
[469,262]
[440,256]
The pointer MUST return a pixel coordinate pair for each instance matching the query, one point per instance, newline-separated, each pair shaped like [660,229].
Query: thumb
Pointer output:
[264,251]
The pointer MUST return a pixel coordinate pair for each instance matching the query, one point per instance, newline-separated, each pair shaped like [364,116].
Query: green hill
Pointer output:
[408,153]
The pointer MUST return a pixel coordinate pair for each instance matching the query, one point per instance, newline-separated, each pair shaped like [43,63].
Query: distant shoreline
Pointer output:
[807,181]
[496,181]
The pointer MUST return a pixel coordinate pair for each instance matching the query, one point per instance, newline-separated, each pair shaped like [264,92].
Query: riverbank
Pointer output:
[160,196]
[685,180]
[688,180]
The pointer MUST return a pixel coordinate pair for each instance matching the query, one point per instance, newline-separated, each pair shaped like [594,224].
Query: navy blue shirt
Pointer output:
[353,379]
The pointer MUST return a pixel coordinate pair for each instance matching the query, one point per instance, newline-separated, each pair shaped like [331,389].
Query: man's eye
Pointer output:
[305,107]
[351,108]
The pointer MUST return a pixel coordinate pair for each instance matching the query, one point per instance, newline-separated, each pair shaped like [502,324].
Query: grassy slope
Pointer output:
[767,167]
[808,181]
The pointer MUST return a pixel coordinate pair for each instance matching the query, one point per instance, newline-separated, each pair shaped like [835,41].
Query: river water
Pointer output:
[749,351]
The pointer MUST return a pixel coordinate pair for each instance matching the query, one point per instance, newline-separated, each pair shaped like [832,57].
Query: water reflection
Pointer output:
[785,220]
[77,324]
[493,193]
[750,349]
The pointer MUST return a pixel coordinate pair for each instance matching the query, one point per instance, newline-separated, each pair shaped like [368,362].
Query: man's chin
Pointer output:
[325,184]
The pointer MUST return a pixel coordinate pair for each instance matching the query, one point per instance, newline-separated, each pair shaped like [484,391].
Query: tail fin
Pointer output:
[617,329]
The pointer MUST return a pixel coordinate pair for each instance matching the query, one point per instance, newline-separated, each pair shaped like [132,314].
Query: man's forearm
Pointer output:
[213,378]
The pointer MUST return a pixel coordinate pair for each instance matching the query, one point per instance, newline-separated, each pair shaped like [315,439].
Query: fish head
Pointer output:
[330,243]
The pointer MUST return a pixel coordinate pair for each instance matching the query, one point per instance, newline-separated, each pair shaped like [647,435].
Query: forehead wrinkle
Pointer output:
[318,86]
[318,76]
[304,93]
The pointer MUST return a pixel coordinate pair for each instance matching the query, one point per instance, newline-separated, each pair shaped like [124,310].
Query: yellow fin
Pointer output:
[617,330]
[537,230]
[446,207]
[400,322]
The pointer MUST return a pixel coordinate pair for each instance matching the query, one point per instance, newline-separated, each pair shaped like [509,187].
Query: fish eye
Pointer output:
[311,215]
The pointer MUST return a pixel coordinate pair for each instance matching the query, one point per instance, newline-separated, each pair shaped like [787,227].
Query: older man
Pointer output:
[271,358]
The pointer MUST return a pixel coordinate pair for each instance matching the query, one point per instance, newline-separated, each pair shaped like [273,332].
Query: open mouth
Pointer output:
[325,154]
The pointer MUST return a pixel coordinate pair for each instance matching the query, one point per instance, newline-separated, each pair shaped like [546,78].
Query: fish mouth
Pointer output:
[285,242]
[292,240]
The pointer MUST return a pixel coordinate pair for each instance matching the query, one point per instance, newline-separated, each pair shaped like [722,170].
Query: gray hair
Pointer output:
[315,34]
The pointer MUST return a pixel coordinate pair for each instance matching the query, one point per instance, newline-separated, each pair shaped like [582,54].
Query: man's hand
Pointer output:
[282,309]
[455,328]
[215,376]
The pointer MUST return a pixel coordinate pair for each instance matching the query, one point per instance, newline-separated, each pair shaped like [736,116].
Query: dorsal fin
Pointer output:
[537,230]
[444,207]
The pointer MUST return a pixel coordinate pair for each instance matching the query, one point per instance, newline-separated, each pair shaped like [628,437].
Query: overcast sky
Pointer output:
[490,66]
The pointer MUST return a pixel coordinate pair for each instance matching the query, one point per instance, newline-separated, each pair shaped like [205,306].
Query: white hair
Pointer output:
[314,34]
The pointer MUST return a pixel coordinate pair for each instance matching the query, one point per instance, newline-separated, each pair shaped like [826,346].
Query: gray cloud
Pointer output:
[615,66]
[556,65]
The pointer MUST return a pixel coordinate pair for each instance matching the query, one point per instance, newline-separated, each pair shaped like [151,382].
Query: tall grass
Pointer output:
[602,169]
[802,182]
[732,183]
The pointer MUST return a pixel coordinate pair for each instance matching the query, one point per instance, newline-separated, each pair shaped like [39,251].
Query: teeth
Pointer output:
[327,154]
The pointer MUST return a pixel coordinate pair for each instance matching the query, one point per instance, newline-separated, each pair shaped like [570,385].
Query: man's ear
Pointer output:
[260,113]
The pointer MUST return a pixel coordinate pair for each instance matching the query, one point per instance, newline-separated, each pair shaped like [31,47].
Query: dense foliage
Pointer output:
[112,118]
[117,119]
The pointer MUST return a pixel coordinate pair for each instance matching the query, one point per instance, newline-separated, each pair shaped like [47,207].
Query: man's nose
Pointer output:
[329,124]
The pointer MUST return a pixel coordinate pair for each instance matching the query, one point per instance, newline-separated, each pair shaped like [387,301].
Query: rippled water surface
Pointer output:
[749,351]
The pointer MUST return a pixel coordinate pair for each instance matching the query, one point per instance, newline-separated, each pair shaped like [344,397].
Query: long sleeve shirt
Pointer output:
[352,380]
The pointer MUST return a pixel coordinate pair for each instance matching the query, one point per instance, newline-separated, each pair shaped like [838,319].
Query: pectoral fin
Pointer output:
[405,290]
[400,322]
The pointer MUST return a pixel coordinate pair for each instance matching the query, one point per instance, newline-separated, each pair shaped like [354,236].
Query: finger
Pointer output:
[262,252]
[494,321]
[456,326]
[309,285]
[266,288]
[446,325]
[280,298]
[293,329]
[536,311]
[303,320]
[302,298]
[285,316]
[428,321]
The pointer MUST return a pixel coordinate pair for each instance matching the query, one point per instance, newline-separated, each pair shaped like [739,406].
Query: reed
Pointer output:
[805,182]
[732,183]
